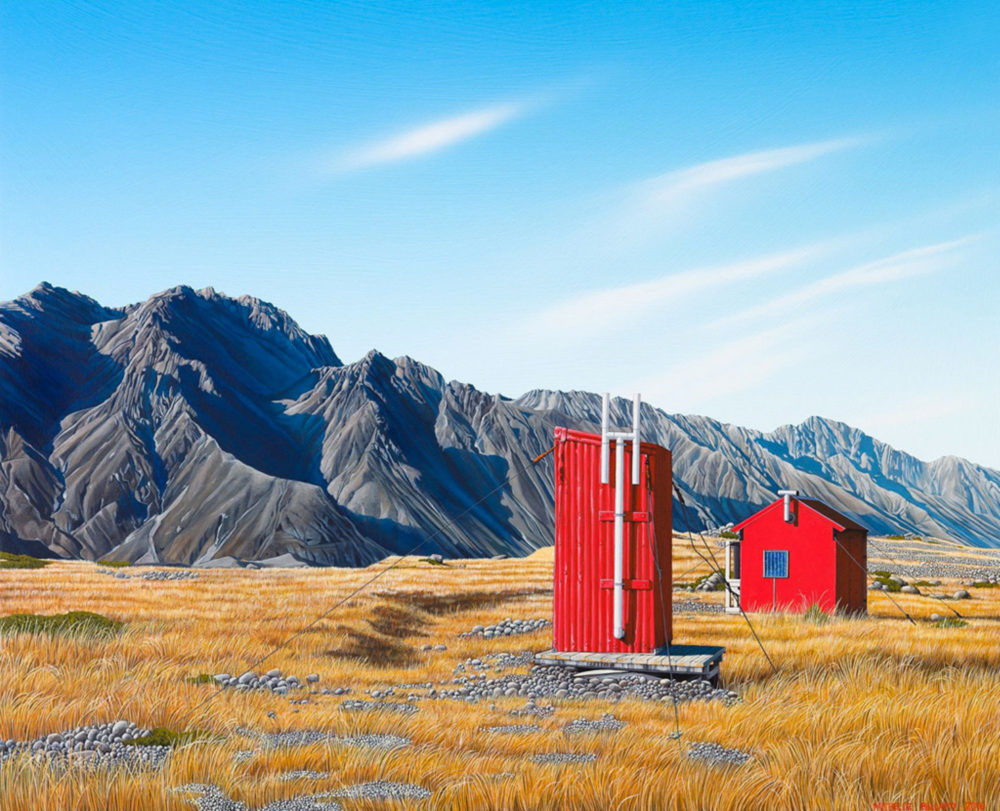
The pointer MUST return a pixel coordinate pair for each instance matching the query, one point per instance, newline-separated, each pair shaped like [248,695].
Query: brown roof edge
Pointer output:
[831,514]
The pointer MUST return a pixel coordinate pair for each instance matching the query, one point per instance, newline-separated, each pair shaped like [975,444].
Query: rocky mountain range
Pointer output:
[200,429]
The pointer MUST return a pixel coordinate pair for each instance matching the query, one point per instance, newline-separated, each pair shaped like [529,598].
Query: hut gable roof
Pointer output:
[839,521]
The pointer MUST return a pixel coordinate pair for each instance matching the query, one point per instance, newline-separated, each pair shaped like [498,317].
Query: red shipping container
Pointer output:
[584,548]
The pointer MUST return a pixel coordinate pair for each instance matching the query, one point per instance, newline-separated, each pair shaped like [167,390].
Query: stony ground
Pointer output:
[404,700]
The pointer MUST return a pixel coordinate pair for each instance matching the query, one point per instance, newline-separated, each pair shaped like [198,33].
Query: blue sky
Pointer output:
[755,211]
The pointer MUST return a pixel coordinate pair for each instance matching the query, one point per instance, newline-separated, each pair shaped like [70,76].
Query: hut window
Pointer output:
[776,563]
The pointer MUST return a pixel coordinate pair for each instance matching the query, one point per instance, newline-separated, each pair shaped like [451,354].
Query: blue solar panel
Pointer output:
[775,563]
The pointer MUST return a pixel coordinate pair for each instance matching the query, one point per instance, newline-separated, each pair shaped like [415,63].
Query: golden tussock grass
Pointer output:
[862,711]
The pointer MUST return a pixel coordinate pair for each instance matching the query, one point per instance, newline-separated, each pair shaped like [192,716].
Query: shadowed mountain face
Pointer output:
[194,427]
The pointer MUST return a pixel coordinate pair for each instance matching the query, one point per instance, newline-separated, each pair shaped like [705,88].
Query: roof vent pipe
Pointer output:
[788,503]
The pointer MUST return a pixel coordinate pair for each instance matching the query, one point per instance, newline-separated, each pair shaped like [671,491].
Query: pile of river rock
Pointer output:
[95,744]
[909,588]
[508,627]
[273,680]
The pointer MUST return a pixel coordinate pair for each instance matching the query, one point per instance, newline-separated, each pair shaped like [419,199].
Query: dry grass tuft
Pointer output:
[864,710]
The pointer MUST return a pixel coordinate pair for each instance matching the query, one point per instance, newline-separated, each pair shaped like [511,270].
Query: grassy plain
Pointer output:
[862,712]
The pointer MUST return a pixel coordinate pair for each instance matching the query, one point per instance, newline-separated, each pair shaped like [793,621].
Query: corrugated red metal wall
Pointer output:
[584,553]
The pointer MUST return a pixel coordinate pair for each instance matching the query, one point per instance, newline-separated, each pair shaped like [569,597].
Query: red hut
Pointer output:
[797,552]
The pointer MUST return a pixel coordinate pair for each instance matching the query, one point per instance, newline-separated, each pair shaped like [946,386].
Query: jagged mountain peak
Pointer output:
[194,425]
[59,302]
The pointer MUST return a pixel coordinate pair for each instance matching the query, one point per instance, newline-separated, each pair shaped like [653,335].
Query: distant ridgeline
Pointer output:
[195,427]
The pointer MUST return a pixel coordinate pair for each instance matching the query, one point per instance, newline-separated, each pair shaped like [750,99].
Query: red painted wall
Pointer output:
[584,549]
[819,570]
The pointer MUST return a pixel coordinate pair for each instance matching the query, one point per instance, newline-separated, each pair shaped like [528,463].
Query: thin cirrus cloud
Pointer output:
[580,315]
[648,209]
[430,137]
[919,261]
[737,364]
[679,184]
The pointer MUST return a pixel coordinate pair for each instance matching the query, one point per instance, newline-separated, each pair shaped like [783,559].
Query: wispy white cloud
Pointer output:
[679,184]
[650,208]
[903,265]
[741,363]
[430,137]
[621,307]
[919,409]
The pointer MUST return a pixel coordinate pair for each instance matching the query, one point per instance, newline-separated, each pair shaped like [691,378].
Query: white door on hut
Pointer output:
[733,576]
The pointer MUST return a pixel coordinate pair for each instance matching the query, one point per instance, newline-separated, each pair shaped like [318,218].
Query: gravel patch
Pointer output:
[925,564]
[533,709]
[508,627]
[155,575]
[553,681]
[497,662]
[696,607]
[92,745]
[717,755]
[606,723]
[382,790]
[285,740]
[303,774]
[212,798]
[373,741]
[563,757]
[358,705]
[513,729]
[273,681]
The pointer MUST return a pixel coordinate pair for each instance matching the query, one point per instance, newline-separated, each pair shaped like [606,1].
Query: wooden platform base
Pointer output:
[698,661]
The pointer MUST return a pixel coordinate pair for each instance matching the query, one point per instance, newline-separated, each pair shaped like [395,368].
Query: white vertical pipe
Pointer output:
[605,407]
[635,438]
[728,570]
[619,536]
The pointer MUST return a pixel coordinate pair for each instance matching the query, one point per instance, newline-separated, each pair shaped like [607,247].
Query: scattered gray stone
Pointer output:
[533,709]
[212,798]
[553,681]
[304,774]
[712,582]
[181,574]
[606,723]
[962,594]
[563,757]
[936,618]
[382,790]
[513,729]
[697,607]
[717,755]
[356,705]
[508,627]
[910,590]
